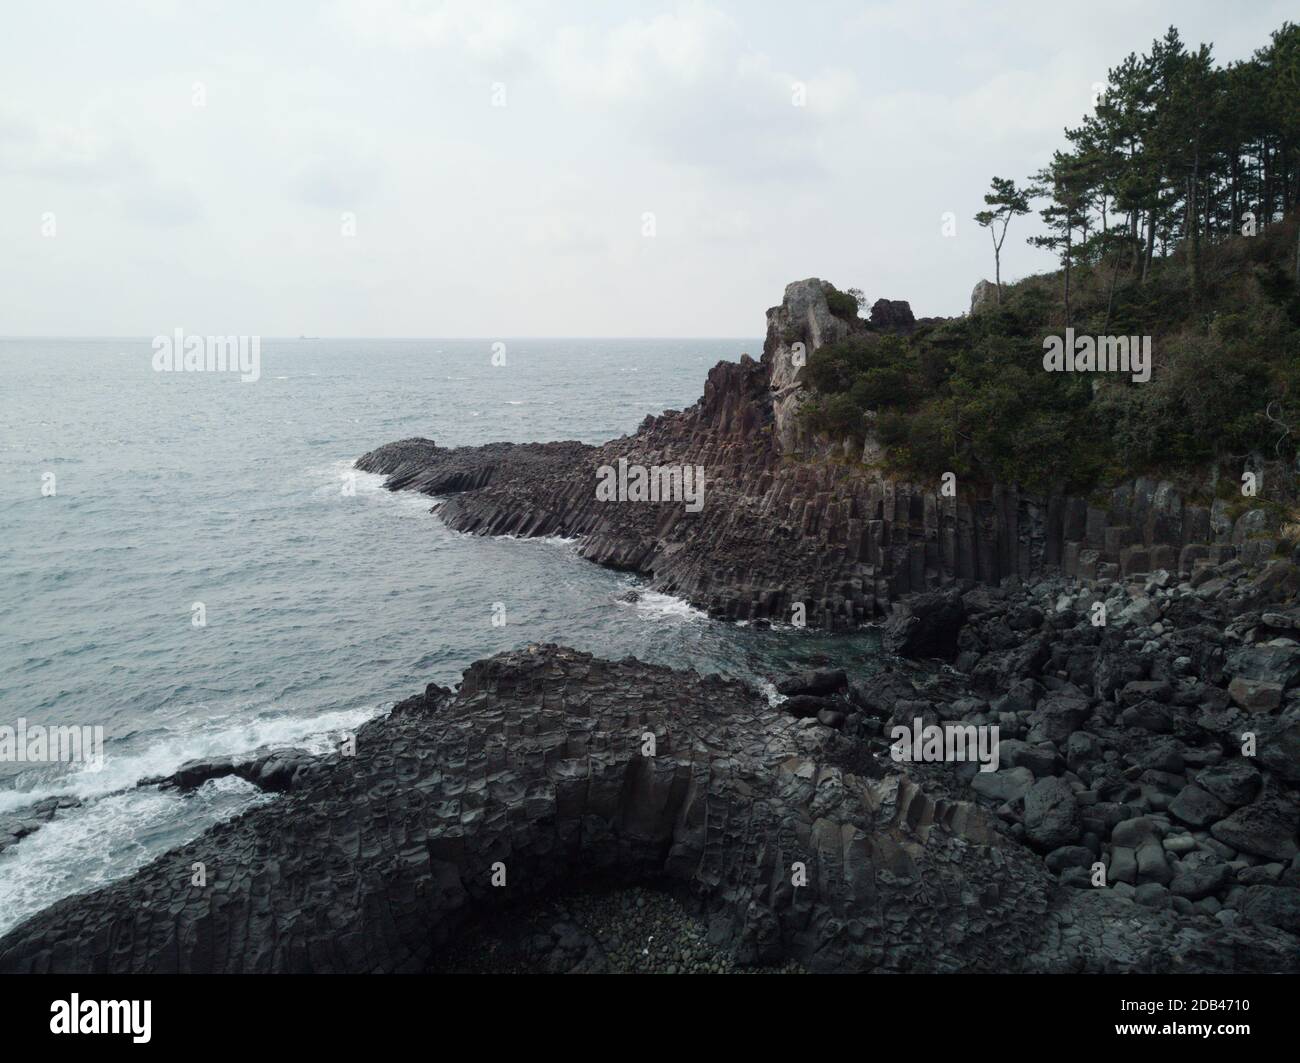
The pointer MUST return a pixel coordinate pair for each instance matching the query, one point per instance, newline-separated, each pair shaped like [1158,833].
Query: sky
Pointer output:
[473,168]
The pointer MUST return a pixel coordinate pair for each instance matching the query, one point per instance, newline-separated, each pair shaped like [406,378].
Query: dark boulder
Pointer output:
[819,682]
[892,314]
[926,625]
[805,705]
[1267,828]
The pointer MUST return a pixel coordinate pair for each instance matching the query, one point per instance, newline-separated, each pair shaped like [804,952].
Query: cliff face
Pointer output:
[784,522]
[804,319]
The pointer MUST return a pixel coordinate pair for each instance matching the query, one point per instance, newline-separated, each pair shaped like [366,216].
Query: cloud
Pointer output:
[87,151]
[482,28]
[687,83]
[162,204]
[566,234]
[336,182]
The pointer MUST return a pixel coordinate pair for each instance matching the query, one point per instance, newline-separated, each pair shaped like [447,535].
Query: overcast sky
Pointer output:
[528,219]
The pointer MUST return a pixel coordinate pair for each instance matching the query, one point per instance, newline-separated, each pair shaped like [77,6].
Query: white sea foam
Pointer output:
[332,479]
[88,847]
[237,731]
[652,605]
[549,540]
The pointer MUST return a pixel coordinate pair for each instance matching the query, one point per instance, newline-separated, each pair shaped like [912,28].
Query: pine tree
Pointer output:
[1007,202]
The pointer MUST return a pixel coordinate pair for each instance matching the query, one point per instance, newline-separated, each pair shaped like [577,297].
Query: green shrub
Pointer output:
[970,395]
[834,367]
[835,416]
[842,304]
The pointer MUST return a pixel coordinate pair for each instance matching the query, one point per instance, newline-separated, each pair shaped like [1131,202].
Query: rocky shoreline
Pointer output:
[787,833]
[1138,664]
[1161,747]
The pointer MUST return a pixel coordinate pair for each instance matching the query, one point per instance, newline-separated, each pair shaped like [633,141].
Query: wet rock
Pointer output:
[831,718]
[15,826]
[817,683]
[806,706]
[275,772]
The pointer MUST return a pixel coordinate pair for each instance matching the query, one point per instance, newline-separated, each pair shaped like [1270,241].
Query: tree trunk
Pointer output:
[1194,218]
[1068,255]
[1236,193]
[1151,245]
[1110,301]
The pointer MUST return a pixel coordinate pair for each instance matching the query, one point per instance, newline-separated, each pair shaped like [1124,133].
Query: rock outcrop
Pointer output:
[893,314]
[15,826]
[539,775]
[274,771]
[800,325]
[787,527]
[983,296]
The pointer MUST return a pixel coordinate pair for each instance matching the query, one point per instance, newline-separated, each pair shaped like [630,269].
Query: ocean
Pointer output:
[139,502]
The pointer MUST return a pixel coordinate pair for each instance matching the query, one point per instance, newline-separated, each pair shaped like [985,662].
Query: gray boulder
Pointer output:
[1051,814]
[1267,828]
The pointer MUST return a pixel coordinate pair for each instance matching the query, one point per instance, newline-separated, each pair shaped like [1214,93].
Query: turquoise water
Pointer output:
[325,597]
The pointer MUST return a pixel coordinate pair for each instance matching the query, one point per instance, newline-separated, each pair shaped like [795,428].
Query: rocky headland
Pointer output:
[791,519]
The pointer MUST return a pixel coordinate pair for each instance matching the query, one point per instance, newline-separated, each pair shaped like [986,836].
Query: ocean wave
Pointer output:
[235,733]
[652,605]
[333,479]
[88,847]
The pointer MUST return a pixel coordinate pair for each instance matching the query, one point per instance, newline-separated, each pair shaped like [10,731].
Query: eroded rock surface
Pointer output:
[537,769]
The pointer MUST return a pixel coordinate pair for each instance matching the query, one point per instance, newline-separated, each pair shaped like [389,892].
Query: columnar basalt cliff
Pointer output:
[535,777]
[1143,815]
[792,519]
